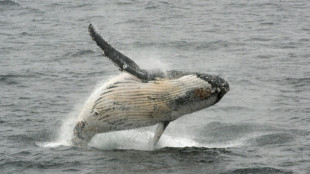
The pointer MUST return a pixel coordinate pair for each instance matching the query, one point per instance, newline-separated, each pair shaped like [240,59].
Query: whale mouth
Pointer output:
[221,87]
[224,88]
[221,95]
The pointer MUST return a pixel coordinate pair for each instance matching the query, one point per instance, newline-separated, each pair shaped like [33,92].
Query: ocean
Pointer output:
[49,66]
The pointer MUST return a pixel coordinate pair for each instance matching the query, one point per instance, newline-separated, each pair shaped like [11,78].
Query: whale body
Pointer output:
[138,98]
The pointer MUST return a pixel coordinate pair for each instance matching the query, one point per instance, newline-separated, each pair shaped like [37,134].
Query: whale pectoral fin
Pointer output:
[122,61]
[159,131]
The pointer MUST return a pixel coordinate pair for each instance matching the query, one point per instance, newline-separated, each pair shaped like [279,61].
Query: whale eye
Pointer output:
[125,66]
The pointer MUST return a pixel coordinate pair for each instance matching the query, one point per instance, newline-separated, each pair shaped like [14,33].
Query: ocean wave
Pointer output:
[299,82]
[125,3]
[14,79]
[8,3]
[8,79]
[82,53]
[213,45]
[254,170]
[273,138]
[23,139]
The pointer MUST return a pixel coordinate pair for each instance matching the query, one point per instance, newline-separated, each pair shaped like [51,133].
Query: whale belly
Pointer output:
[125,103]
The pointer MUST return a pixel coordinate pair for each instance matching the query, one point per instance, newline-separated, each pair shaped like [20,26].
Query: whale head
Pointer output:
[200,91]
[219,86]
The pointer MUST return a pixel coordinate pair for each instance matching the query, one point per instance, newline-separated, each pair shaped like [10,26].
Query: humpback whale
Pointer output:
[139,98]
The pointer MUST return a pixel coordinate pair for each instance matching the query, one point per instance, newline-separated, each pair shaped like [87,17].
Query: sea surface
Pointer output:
[49,66]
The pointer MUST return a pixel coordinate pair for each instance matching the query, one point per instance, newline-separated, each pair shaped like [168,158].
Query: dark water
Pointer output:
[49,66]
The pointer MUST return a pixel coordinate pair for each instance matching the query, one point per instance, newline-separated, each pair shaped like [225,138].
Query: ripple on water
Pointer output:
[272,139]
[255,170]
[8,3]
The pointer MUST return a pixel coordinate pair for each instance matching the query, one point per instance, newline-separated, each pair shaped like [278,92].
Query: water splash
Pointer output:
[150,60]
[127,139]
[65,133]
[142,140]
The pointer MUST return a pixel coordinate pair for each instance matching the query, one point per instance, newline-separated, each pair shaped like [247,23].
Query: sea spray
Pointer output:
[137,139]
[65,132]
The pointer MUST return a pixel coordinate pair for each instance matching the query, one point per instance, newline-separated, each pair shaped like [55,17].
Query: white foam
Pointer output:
[141,140]
[179,141]
[128,139]
[174,141]
[49,144]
